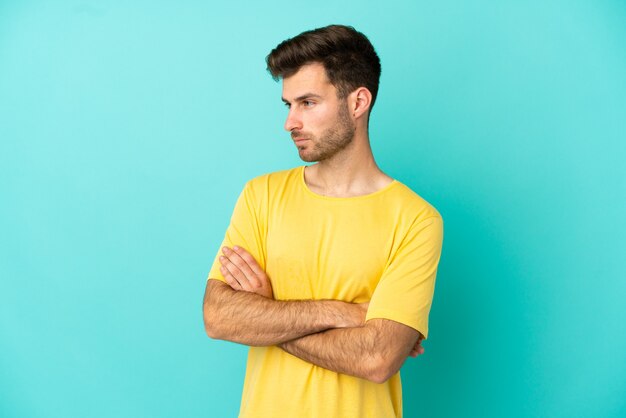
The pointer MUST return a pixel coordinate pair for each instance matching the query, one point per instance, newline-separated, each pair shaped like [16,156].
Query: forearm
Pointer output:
[365,352]
[250,319]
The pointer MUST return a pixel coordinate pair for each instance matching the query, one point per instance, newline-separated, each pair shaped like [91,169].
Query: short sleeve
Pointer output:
[246,229]
[405,291]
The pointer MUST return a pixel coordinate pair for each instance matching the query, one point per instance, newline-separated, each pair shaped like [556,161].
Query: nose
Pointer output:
[293,121]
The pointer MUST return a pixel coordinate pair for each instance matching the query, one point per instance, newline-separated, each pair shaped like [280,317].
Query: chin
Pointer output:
[308,158]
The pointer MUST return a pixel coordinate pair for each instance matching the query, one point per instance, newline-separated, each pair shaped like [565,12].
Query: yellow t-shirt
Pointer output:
[383,247]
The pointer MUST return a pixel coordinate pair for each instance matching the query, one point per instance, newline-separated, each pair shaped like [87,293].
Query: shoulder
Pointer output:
[412,205]
[273,180]
[257,192]
[418,222]
[260,188]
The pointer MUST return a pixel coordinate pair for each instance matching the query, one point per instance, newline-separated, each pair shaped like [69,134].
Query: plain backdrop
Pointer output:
[128,129]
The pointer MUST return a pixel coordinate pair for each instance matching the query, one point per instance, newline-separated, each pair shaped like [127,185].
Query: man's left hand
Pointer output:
[242,272]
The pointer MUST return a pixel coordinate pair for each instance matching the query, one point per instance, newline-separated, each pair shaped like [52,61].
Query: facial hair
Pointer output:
[333,139]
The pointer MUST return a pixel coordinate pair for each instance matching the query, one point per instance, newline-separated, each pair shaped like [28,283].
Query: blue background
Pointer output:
[128,130]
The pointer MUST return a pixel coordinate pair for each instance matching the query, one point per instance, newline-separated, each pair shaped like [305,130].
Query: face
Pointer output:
[318,120]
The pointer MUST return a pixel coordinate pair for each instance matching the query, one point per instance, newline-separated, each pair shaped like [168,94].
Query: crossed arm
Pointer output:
[248,318]
[329,333]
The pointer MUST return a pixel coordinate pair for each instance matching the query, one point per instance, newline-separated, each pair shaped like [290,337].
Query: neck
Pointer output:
[351,172]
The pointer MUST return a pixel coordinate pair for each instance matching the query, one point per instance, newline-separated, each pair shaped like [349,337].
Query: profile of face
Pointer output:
[319,122]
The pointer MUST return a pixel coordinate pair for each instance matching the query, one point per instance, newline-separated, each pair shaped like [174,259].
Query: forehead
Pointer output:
[310,78]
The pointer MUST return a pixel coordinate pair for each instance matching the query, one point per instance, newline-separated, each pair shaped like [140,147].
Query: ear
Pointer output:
[361,102]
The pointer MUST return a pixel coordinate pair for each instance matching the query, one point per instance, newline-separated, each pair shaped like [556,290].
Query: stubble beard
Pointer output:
[334,139]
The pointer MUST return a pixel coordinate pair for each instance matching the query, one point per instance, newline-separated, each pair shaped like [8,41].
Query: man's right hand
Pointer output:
[418,349]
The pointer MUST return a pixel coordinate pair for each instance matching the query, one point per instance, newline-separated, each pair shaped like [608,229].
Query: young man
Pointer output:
[327,271]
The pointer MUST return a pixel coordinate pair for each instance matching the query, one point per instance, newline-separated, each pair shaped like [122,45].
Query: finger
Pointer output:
[416,352]
[263,280]
[249,259]
[237,274]
[242,264]
[232,282]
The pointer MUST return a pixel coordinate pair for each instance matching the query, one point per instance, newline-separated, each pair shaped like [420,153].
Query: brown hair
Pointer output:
[347,55]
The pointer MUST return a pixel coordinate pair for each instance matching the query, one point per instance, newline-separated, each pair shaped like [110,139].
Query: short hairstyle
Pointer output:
[347,55]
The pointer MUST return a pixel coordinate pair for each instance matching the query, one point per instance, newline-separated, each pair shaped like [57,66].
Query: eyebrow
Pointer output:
[303,97]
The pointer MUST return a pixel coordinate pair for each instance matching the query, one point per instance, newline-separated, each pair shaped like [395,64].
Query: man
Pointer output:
[327,271]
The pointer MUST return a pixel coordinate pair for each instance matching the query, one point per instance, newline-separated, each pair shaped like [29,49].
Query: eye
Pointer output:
[308,103]
[287,105]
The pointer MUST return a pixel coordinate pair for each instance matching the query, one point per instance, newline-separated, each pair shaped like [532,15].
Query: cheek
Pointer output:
[320,119]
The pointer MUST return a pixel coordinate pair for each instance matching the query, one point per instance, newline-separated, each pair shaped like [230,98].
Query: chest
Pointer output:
[327,254]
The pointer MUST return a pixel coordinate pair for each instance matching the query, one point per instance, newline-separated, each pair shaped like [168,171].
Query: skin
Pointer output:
[365,343]
[247,318]
[332,140]
[323,119]
[331,334]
